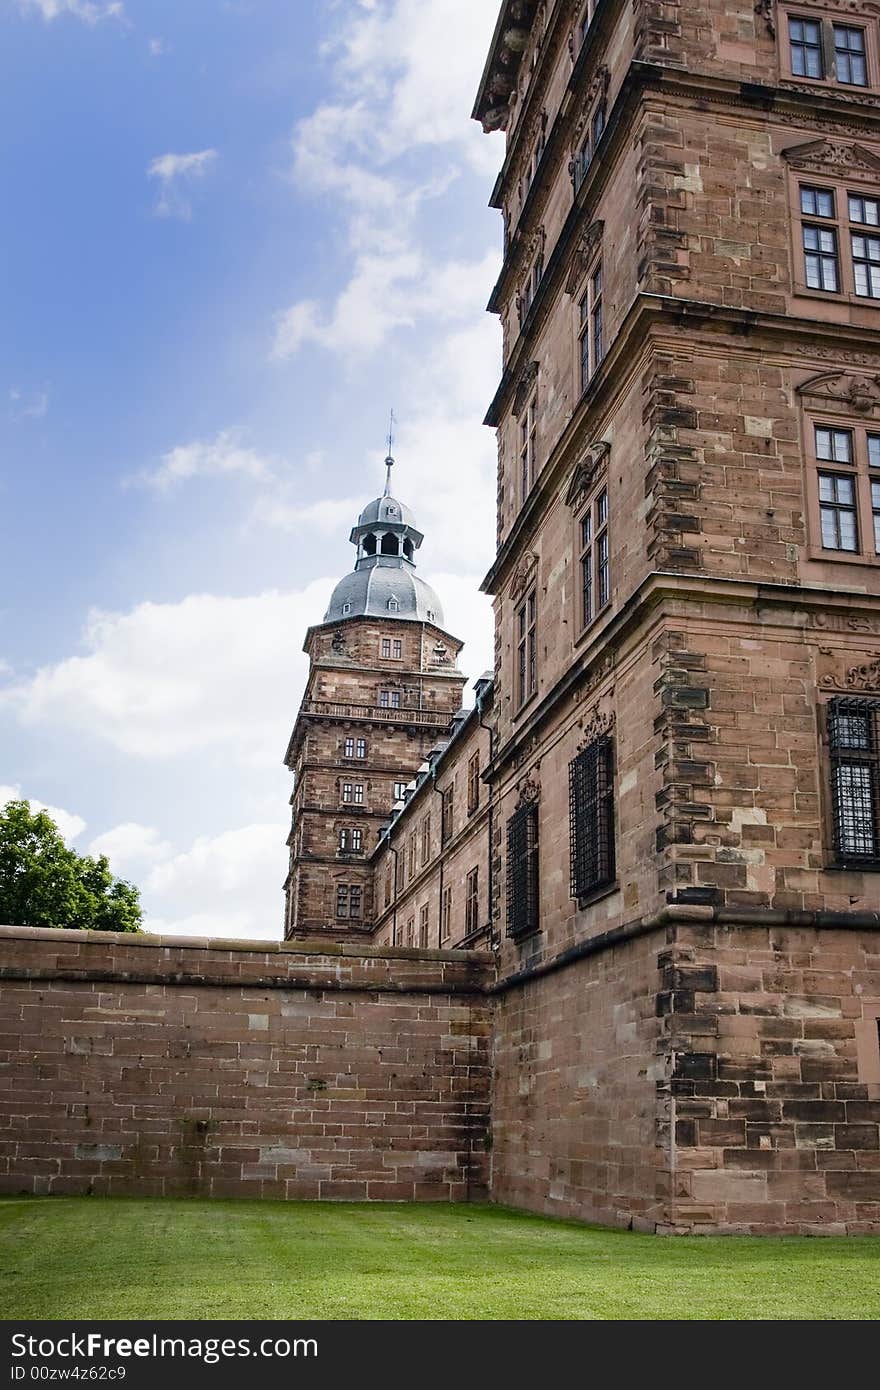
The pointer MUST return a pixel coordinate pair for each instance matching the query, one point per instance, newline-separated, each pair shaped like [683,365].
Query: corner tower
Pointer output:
[382,689]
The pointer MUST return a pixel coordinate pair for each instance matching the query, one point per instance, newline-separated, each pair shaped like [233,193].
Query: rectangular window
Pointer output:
[351,840]
[389,882]
[837,510]
[850,58]
[591,333]
[527,450]
[412,855]
[348,748]
[594,559]
[397,649]
[853,729]
[805,41]
[473,785]
[426,839]
[411,932]
[875,511]
[355,895]
[386,646]
[342,900]
[348,792]
[866,265]
[389,699]
[472,902]
[423,926]
[821,262]
[399,790]
[591,817]
[522,871]
[360,748]
[834,445]
[446,914]
[526,649]
[355,748]
[865,211]
[447,805]
[817,202]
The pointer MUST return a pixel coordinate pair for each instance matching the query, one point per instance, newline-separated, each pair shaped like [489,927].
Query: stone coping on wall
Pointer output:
[141,957]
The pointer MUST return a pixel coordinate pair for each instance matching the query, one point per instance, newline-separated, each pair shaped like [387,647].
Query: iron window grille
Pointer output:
[591,817]
[854,745]
[522,871]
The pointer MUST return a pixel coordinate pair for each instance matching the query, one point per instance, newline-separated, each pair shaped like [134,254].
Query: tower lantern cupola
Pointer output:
[383,582]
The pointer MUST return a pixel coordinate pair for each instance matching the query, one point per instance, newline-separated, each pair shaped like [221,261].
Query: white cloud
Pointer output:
[71,826]
[223,885]
[157,48]
[222,456]
[25,405]
[88,11]
[169,679]
[400,112]
[176,174]
[130,847]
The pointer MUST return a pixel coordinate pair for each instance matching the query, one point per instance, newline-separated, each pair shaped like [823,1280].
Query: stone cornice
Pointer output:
[841,114]
[592,664]
[840,342]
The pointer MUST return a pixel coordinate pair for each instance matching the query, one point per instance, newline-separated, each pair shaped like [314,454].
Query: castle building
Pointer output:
[672,836]
[382,689]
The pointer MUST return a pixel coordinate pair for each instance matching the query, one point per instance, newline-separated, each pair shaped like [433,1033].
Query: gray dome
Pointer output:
[383,587]
[387,509]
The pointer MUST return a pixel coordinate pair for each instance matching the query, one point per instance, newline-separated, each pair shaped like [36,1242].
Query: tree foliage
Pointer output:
[43,883]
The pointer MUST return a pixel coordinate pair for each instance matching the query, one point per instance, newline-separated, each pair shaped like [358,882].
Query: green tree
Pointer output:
[43,883]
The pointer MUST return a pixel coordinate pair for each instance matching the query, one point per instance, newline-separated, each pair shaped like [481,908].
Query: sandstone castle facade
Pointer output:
[664,811]
[606,945]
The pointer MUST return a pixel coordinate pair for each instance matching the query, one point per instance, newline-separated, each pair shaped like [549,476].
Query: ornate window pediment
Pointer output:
[830,156]
[843,391]
[527,378]
[589,468]
[596,91]
[523,574]
[584,254]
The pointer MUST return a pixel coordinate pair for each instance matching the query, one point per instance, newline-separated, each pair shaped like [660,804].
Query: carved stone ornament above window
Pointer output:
[865,677]
[529,790]
[587,246]
[845,391]
[527,378]
[764,10]
[523,574]
[597,89]
[590,467]
[598,721]
[829,157]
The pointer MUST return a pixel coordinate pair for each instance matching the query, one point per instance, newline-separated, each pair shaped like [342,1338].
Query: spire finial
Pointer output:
[389,458]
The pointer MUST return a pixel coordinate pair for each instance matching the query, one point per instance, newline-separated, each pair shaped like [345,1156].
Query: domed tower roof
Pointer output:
[383,583]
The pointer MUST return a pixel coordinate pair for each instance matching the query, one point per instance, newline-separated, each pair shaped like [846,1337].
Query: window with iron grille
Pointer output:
[472,901]
[473,791]
[522,871]
[854,745]
[591,817]
[349,897]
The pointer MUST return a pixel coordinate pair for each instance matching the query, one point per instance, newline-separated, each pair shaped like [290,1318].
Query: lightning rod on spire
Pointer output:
[389,458]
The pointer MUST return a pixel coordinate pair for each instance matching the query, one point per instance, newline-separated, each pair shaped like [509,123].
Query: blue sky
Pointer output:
[234,235]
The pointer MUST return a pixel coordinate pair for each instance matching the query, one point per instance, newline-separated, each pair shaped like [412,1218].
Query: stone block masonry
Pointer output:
[141,1066]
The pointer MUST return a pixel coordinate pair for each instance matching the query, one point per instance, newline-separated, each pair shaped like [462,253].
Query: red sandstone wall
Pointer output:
[133,1065]
[575,1110]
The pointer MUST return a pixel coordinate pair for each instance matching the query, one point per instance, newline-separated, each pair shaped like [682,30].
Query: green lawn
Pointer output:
[95,1257]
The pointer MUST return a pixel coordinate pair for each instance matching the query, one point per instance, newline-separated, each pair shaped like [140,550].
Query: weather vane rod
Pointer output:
[389,458]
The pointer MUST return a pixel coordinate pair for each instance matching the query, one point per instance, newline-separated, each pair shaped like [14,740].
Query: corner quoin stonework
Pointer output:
[136,1065]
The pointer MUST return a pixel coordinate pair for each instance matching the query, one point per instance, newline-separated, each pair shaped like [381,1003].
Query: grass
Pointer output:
[121,1258]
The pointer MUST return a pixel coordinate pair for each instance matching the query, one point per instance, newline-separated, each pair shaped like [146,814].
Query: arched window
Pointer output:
[390,545]
[369,545]
[408,549]
[393,605]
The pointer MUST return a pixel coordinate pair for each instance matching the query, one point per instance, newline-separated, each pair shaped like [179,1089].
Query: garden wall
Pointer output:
[141,1065]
